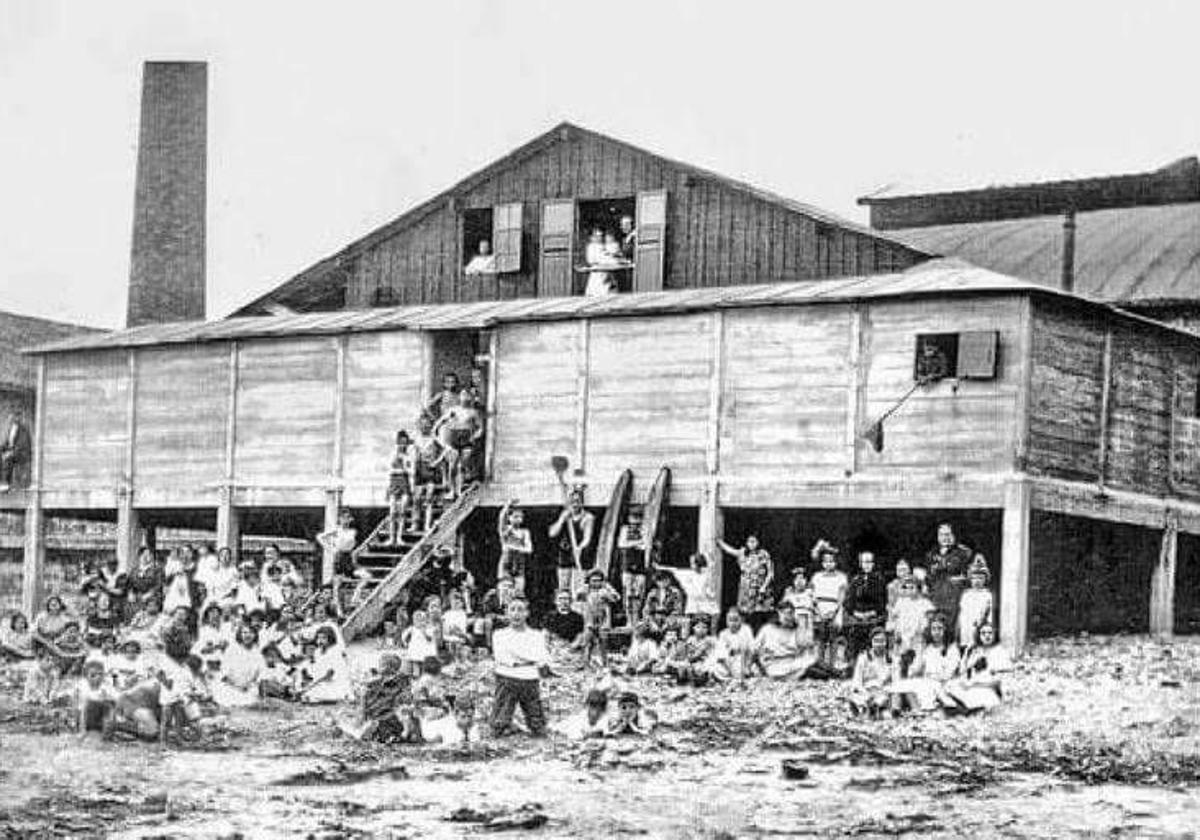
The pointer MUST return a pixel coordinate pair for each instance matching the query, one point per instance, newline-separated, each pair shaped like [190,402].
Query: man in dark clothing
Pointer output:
[866,604]
[564,625]
[947,565]
[16,451]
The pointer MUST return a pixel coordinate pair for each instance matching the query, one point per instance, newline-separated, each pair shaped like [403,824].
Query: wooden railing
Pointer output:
[368,615]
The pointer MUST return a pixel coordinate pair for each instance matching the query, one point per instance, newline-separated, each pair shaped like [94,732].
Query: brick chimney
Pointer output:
[166,273]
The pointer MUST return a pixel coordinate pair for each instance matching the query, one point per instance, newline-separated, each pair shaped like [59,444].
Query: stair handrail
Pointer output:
[417,554]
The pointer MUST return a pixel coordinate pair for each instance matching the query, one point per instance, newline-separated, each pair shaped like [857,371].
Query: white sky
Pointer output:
[327,119]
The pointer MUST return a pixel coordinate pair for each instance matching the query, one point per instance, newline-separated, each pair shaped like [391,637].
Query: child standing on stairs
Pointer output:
[400,484]
[428,455]
[342,540]
[516,546]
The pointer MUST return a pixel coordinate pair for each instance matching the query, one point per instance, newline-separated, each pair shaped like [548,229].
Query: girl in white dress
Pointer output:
[978,684]
[975,603]
[330,669]
[241,666]
[934,667]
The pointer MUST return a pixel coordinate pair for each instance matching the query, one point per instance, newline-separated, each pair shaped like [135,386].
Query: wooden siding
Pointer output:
[384,380]
[1066,391]
[940,428]
[716,234]
[181,409]
[86,436]
[784,399]
[537,399]
[648,395]
[1139,416]
[285,411]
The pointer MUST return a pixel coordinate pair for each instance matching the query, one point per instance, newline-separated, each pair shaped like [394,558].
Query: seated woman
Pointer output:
[330,671]
[934,667]
[978,684]
[783,649]
[241,666]
[58,632]
[16,640]
[870,686]
[734,653]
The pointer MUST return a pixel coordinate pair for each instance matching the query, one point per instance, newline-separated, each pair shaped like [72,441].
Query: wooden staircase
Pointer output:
[392,567]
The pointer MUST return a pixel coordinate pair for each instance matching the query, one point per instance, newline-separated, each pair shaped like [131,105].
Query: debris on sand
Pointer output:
[337,773]
[526,816]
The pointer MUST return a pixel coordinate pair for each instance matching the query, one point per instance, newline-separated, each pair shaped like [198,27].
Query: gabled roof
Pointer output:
[19,332]
[313,277]
[1139,255]
[937,278]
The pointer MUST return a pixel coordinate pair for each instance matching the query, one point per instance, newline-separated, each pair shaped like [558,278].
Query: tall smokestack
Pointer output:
[166,273]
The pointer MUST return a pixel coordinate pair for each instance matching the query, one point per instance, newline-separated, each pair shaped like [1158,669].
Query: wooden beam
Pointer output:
[1024,397]
[229,530]
[711,527]
[1162,582]
[128,534]
[1078,499]
[856,385]
[493,389]
[34,560]
[716,396]
[131,420]
[1105,402]
[1014,565]
[333,505]
[231,402]
[339,410]
[582,363]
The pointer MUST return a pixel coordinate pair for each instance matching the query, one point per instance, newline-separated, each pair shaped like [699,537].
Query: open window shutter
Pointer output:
[651,241]
[558,227]
[506,236]
[977,354]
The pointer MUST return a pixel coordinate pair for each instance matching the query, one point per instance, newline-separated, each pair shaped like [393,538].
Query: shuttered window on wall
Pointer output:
[651,241]
[506,236]
[558,227]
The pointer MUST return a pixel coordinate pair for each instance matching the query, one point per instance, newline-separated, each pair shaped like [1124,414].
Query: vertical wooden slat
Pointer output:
[34,560]
[716,391]
[231,400]
[127,516]
[856,385]
[1162,582]
[583,361]
[1022,410]
[338,457]
[1105,400]
[131,418]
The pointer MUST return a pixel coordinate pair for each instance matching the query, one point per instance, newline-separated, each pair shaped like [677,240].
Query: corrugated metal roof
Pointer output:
[1134,255]
[939,277]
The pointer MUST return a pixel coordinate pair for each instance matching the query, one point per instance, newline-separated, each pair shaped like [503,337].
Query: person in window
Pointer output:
[484,261]
[16,451]
[628,238]
[602,261]
[932,365]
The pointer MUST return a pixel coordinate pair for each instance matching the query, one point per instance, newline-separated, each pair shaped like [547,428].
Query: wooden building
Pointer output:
[536,207]
[1059,412]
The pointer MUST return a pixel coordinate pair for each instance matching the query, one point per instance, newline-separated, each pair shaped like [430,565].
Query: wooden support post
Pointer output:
[339,411]
[35,556]
[229,524]
[1162,583]
[1105,402]
[35,541]
[231,415]
[856,386]
[129,539]
[333,505]
[1014,565]
[489,439]
[712,528]
[581,394]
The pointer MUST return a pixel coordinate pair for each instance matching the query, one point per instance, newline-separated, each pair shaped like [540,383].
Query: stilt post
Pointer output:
[1014,566]
[1162,583]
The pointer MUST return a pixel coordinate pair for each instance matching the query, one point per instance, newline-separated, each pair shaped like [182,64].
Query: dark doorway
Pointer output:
[1187,585]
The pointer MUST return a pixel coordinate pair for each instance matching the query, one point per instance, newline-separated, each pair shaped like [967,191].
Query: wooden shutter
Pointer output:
[558,228]
[977,354]
[651,241]
[506,236]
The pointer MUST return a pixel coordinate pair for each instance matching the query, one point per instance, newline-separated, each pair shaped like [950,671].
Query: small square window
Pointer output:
[936,357]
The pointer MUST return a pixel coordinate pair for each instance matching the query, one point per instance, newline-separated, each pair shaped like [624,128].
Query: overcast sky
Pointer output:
[328,119]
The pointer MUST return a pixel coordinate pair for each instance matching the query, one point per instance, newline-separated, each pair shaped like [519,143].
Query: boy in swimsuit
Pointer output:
[631,548]
[459,430]
[428,455]
[400,485]
[516,546]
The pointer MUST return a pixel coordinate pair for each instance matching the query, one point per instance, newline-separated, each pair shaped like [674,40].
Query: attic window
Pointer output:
[965,355]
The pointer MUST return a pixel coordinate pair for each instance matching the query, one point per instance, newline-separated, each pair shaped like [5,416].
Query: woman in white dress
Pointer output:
[241,666]
[330,669]
[978,684]
[933,668]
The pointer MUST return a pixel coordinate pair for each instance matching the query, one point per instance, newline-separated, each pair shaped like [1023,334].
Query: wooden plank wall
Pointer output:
[384,380]
[537,398]
[648,395]
[1139,421]
[716,235]
[940,428]
[181,409]
[285,411]
[86,406]
[1065,394]
[784,405]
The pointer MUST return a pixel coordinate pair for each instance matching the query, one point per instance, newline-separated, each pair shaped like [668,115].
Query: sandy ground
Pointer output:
[1101,736]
